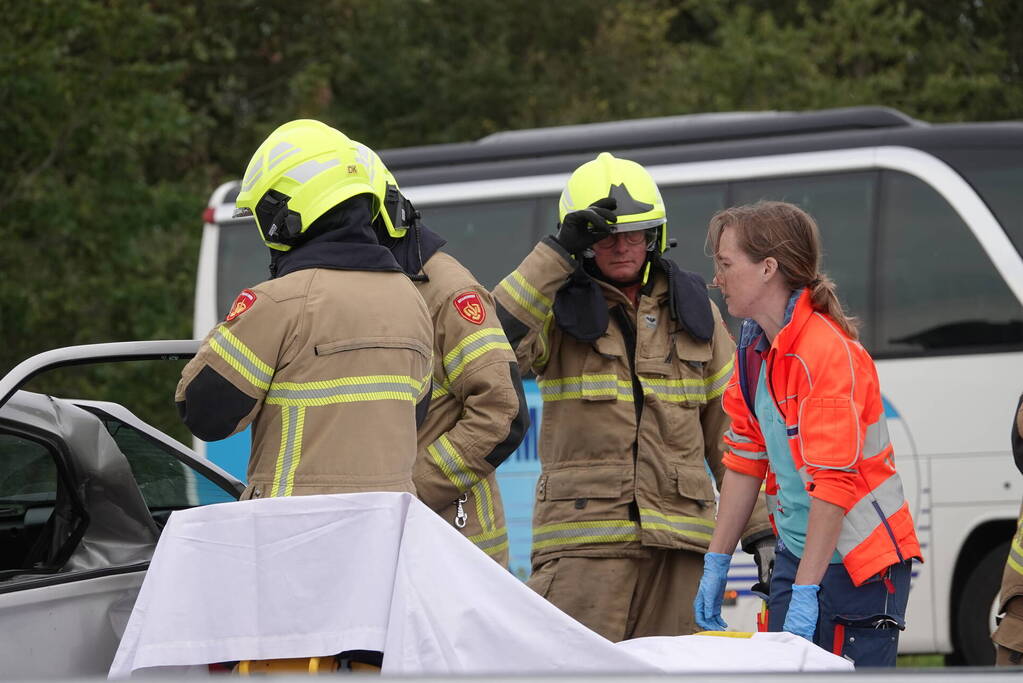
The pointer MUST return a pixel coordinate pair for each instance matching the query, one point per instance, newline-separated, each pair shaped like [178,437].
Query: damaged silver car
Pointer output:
[85,488]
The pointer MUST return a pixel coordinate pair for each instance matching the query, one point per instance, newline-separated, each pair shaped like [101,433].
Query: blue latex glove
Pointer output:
[801,619]
[707,605]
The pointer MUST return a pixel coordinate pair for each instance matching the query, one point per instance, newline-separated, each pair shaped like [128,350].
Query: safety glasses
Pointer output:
[632,237]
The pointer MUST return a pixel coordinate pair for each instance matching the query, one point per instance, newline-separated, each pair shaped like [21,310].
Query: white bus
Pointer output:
[923,226]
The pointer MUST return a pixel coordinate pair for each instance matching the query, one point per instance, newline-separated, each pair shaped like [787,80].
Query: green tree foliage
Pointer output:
[121,116]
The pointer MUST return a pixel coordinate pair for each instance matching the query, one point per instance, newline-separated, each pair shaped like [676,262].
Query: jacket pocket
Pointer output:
[693,483]
[868,641]
[692,358]
[593,481]
[359,343]
[599,380]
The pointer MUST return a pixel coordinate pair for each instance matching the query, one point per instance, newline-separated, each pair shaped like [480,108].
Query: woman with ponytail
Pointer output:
[807,423]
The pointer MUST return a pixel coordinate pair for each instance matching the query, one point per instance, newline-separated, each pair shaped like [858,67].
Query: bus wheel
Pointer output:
[976,606]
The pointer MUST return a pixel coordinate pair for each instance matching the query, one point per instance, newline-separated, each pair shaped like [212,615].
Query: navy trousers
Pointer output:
[860,623]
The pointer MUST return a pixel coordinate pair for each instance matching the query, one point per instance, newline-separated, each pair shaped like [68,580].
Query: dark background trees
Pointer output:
[121,116]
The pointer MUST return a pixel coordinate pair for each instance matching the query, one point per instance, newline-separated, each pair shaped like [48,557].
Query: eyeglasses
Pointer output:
[632,237]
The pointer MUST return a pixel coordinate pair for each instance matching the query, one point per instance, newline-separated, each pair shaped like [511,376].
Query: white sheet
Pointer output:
[316,575]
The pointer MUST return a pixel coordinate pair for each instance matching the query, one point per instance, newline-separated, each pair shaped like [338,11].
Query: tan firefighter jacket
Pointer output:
[328,366]
[1009,633]
[478,412]
[609,484]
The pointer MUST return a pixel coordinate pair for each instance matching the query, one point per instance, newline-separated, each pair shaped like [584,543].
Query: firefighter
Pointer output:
[1008,636]
[478,413]
[631,358]
[330,359]
[807,415]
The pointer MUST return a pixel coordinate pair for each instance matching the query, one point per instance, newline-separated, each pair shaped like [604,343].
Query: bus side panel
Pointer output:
[956,469]
[232,453]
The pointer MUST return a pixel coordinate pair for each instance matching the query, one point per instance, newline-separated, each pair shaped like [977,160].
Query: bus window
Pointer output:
[489,238]
[242,261]
[689,210]
[843,206]
[997,175]
[938,290]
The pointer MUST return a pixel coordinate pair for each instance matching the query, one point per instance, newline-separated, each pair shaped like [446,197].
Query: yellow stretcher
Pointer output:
[312,666]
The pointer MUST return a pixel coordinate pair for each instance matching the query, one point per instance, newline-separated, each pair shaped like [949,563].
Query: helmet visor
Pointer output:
[638,225]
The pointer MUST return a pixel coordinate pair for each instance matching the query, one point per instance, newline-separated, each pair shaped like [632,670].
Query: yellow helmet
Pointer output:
[301,171]
[640,206]
[392,210]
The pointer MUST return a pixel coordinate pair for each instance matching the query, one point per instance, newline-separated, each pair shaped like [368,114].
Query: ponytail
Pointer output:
[824,299]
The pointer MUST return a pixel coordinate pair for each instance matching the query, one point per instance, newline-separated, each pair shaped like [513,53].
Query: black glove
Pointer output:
[582,228]
[763,555]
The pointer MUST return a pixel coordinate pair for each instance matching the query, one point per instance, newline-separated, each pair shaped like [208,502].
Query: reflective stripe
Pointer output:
[736,438]
[575,533]
[544,338]
[344,390]
[1015,559]
[451,464]
[438,391]
[471,348]
[308,170]
[281,152]
[863,518]
[739,447]
[679,524]
[718,382]
[674,390]
[241,358]
[484,500]
[290,454]
[749,455]
[587,386]
[423,385]
[364,156]
[567,204]
[689,389]
[876,440]
[250,181]
[491,542]
[526,295]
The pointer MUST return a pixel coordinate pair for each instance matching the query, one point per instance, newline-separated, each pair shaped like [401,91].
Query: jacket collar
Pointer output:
[797,312]
[341,239]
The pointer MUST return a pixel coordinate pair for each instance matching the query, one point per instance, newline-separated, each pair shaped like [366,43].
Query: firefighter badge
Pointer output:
[470,307]
[243,303]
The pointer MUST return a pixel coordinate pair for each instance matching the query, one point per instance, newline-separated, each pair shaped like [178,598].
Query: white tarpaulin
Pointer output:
[317,575]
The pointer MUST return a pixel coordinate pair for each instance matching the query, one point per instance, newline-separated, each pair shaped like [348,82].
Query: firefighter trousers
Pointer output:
[1008,636]
[625,597]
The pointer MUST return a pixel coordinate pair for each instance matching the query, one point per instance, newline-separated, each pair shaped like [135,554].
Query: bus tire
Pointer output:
[974,606]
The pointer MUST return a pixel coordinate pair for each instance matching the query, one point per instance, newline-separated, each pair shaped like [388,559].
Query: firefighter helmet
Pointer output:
[640,206]
[393,212]
[301,171]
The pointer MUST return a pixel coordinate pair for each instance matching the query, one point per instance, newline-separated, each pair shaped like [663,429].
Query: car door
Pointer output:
[85,488]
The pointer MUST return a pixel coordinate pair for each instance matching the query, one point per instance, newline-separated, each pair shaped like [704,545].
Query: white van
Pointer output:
[923,227]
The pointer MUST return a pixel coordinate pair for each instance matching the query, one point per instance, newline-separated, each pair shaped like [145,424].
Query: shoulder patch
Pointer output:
[244,302]
[470,307]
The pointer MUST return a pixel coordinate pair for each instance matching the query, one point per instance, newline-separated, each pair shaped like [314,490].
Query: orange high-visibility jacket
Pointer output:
[825,385]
